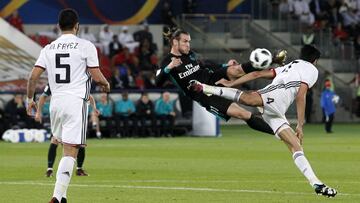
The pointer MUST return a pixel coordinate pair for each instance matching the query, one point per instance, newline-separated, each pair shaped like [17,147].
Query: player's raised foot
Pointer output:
[81,172]
[195,86]
[49,173]
[322,189]
[279,57]
[63,200]
[199,87]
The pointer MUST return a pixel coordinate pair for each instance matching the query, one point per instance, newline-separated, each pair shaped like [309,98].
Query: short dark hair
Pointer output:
[67,19]
[309,53]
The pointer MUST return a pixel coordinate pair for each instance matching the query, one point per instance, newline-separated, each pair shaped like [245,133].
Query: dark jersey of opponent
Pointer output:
[192,69]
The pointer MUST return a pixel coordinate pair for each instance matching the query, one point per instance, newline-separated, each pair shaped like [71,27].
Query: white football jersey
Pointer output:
[66,61]
[289,78]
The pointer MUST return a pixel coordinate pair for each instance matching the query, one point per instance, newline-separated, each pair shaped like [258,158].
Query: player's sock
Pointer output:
[80,157]
[63,176]
[52,155]
[257,123]
[304,166]
[226,92]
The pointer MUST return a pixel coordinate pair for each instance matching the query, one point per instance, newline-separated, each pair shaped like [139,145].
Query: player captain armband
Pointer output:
[167,70]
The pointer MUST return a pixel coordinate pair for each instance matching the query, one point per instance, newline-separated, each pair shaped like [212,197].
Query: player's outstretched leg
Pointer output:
[289,137]
[226,92]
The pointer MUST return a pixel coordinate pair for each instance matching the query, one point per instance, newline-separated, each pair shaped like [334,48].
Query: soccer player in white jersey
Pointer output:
[290,82]
[70,63]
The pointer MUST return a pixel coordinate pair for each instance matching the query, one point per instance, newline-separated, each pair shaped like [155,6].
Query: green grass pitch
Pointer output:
[241,166]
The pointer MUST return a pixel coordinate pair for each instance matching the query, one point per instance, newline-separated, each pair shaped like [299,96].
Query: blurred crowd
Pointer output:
[120,118]
[342,17]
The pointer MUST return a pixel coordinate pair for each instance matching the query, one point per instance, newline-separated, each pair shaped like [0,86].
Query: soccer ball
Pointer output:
[260,58]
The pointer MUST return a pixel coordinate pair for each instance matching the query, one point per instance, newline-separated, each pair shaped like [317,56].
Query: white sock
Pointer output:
[63,176]
[226,92]
[304,166]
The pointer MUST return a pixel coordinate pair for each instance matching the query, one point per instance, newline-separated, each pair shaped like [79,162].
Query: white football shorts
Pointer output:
[274,110]
[69,119]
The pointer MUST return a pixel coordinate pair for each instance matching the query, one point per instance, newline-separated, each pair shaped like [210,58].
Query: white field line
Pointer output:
[170,188]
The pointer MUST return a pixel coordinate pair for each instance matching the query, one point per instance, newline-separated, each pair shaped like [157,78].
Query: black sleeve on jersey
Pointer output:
[47,91]
[204,63]
[248,68]
[207,64]
[161,76]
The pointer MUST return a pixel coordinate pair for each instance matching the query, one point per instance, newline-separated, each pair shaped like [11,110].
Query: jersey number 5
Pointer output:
[66,66]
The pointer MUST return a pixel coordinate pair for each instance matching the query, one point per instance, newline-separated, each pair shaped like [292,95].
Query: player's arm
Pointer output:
[31,85]
[300,109]
[40,105]
[99,78]
[267,73]
[163,73]
[93,105]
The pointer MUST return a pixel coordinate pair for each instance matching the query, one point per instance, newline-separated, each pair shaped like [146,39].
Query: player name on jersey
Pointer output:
[64,46]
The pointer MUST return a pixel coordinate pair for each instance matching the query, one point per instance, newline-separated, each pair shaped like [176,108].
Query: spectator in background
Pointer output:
[127,39]
[327,102]
[301,11]
[85,34]
[147,62]
[105,37]
[320,10]
[15,111]
[339,33]
[105,108]
[333,12]
[116,80]
[284,7]
[125,112]
[16,21]
[164,109]
[349,20]
[145,113]
[127,63]
[143,34]
[308,37]
[114,46]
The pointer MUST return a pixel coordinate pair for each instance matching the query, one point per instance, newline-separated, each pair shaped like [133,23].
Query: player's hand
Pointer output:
[232,62]
[97,112]
[106,88]
[175,62]
[299,133]
[30,108]
[38,117]
[224,82]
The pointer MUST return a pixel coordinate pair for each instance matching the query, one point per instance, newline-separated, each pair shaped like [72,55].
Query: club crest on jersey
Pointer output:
[190,69]
[192,57]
